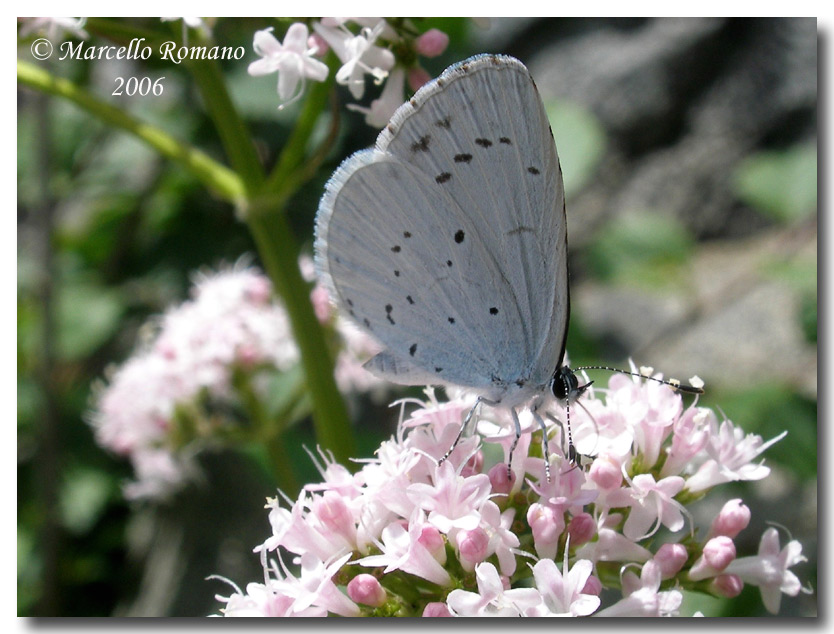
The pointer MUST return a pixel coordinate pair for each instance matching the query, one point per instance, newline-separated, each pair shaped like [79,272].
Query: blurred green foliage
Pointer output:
[780,184]
[581,142]
[646,248]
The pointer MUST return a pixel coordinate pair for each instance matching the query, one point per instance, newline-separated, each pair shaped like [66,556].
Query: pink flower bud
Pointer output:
[317,42]
[592,586]
[717,555]
[732,519]
[547,526]
[366,589]
[670,558]
[333,512]
[432,540]
[605,473]
[417,77]
[719,552]
[166,350]
[320,299]
[247,355]
[432,43]
[472,546]
[436,609]
[501,481]
[581,529]
[473,466]
[259,290]
[729,586]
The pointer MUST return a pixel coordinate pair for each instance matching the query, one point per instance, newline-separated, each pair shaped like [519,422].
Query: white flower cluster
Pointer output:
[231,325]
[411,534]
[363,46]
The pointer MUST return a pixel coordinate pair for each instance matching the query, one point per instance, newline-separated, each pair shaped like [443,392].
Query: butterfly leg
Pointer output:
[463,427]
[568,452]
[517,424]
[545,450]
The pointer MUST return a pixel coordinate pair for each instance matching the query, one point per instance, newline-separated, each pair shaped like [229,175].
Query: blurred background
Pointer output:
[689,150]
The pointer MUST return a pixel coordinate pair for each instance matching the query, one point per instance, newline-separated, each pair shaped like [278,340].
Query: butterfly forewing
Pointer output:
[448,241]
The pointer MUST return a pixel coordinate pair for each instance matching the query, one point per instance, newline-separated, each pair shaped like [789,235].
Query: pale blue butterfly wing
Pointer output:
[447,241]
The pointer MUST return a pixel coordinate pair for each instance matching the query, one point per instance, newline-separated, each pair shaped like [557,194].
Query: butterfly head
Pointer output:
[565,385]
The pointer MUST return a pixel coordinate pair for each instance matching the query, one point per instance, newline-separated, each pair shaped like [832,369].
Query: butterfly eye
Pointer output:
[564,383]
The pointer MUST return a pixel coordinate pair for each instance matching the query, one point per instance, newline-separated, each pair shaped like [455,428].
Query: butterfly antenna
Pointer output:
[572,455]
[675,384]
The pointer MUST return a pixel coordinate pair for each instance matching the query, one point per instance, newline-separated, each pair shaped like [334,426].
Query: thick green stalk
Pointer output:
[279,253]
[265,216]
[285,178]
[216,177]
[233,131]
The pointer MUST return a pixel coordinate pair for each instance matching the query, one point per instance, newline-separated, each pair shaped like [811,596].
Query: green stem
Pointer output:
[234,134]
[285,178]
[265,217]
[278,458]
[279,253]
[216,177]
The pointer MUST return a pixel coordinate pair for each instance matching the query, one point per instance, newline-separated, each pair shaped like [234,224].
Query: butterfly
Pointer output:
[447,242]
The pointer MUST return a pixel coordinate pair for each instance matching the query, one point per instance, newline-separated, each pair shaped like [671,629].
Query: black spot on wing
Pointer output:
[505,140]
[443,178]
[421,144]
[396,248]
[445,122]
[406,234]
[484,143]
[493,311]
[412,349]
[533,170]
[459,235]
[463,158]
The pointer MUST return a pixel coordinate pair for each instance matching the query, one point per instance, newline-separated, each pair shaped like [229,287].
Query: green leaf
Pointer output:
[808,317]
[580,140]
[706,604]
[641,247]
[83,498]
[780,185]
[88,315]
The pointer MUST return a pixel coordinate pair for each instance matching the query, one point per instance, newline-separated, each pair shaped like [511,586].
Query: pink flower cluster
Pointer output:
[410,534]
[152,409]
[363,46]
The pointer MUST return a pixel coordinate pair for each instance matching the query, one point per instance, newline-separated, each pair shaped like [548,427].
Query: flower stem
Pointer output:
[234,134]
[279,253]
[218,178]
[278,457]
[288,175]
